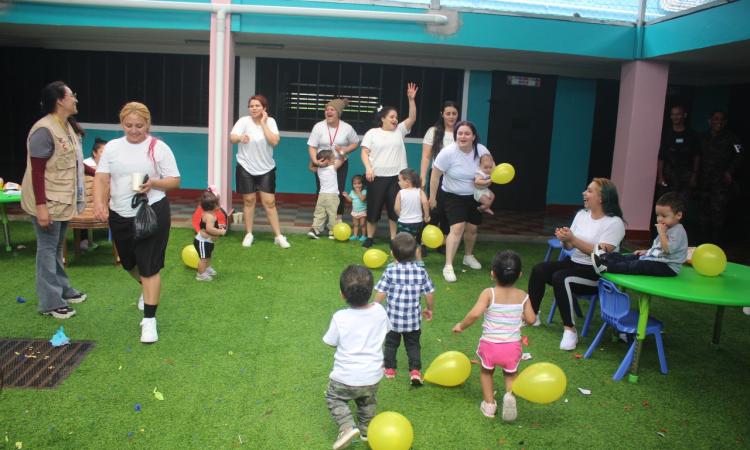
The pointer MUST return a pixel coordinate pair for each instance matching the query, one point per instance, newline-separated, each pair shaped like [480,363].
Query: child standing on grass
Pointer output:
[358,198]
[403,283]
[482,182]
[357,333]
[667,253]
[412,207]
[504,308]
[328,198]
[204,240]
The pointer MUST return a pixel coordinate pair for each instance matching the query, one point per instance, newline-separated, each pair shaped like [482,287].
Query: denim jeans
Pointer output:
[52,284]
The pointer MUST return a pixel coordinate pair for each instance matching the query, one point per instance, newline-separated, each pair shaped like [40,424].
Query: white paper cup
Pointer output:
[137,180]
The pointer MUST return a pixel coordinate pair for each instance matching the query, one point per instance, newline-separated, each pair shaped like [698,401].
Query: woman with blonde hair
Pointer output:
[136,155]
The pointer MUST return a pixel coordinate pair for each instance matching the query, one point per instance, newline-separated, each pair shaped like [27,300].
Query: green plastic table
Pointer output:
[5,198]
[730,288]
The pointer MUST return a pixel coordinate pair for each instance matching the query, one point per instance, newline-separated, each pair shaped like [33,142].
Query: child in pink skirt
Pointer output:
[504,308]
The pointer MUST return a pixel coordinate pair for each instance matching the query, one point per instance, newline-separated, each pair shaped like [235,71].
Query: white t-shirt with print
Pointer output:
[606,230]
[387,150]
[358,335]
[459,168]
[322,135]
[121,160]
[256,157]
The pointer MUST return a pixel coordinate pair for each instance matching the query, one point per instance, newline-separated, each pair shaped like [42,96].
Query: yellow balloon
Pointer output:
[390,431]
[374,258]
[503,173]
[342,231]
[432,236]
[540,383]
[190,256]
[709,260]
[449,369]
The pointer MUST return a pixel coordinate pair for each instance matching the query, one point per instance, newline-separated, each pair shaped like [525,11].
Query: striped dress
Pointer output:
[502,323]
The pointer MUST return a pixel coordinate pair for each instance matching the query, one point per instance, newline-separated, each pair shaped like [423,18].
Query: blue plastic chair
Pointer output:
[564,253]
[616,313]
[552,245]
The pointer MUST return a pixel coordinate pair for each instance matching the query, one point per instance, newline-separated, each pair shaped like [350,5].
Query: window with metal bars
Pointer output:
[298,91]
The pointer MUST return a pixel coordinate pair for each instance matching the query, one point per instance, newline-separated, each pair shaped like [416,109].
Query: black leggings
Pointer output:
[633,265]
[341,178]
[566,278]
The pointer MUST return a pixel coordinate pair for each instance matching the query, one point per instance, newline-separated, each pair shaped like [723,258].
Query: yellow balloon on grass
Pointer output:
[190,256]
[540,383]
[449,369]
[709,260]
[432,237]
[374,258]
[503,174]
[390,431]
[342,231]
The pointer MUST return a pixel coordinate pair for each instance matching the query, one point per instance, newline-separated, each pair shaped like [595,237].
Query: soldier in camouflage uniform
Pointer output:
[720,157]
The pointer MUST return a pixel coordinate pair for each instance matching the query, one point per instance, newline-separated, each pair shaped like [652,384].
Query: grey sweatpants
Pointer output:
[52,284]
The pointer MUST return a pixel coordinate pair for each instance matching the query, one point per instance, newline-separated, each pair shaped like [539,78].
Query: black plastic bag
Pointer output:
[145,223]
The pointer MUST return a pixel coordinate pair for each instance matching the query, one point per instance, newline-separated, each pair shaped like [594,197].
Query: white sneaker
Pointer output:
[448,274]
[569,340]
[140,302]
[509,407]
[281,241]
[210,270]
[247,241]
[746,310]
[148,330]
[471,261]
[203,276]
[345,438]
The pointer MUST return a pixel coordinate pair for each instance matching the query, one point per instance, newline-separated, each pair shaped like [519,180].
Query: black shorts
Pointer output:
[382,191]
[204,248]
[147,254]
[250,184]
[461,208]
[415,229]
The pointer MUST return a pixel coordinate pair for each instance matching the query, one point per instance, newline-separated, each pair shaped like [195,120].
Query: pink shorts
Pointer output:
[358,214]
[506,355]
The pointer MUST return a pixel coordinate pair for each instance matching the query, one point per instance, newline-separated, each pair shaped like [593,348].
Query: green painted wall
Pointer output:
[478,109]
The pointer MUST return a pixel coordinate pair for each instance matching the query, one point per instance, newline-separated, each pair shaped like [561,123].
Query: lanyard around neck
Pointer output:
[331,139]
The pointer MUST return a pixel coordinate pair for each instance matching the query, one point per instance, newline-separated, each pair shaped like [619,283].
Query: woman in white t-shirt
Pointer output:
[337,135]
[384,156]
[137,153]
[435,139]
[598,225]
[257,135]
[457,165]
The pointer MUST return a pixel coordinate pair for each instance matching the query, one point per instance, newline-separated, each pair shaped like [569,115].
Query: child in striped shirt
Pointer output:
[504,308]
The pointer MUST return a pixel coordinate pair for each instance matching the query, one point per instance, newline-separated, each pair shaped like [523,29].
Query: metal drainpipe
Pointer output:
[640,29]
[219,134]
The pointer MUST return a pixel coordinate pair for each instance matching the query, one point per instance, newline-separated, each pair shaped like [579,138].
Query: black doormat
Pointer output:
[29,363]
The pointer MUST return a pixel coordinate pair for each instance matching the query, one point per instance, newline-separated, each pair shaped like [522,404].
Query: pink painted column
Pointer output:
[643,89]
[225,184]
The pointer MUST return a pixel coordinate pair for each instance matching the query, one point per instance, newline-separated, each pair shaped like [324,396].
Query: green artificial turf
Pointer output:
[241,364]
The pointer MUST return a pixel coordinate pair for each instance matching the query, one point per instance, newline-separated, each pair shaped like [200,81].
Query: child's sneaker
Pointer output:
[281,241]
[509,407]
[148,330]
[78,298]
[247,241]
[488,409]
[362,238]
[390,373]
[598,262]
[367,243]
[313,233]
[345,438]
[355,238]
[210,270]
[65,312]
[203,277]
[416,378]
[330,235]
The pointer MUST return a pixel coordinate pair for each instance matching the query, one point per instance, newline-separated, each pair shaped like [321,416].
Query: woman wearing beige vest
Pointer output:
[52,193]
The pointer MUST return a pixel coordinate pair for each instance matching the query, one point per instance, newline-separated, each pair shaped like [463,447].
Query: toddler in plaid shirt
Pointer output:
[403,283]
